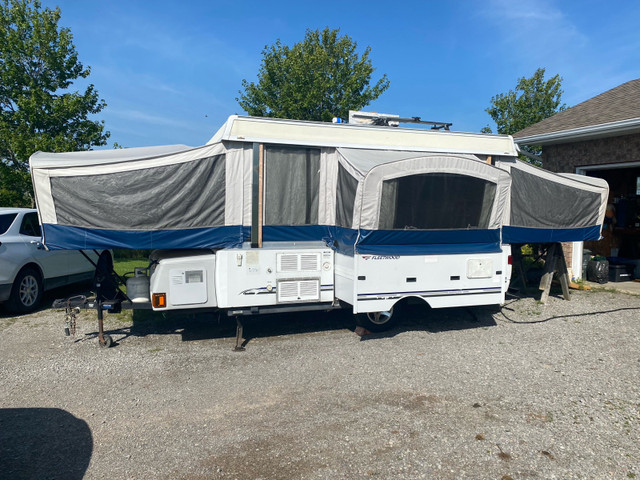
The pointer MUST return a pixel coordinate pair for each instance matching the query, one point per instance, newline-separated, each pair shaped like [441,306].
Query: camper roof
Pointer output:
[97,157]
[324,134]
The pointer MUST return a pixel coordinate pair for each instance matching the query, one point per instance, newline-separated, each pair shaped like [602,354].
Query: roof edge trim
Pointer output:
[610,128]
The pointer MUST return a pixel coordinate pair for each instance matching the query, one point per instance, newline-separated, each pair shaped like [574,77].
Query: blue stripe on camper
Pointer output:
[339,239]
[548,235]
[389,242]
[343,240]
[294,233]
[62,237]
[428,242]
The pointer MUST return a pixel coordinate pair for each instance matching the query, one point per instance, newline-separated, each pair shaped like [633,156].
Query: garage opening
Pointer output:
[621,230]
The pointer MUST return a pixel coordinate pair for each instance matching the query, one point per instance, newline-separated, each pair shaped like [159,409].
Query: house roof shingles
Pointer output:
[618,104]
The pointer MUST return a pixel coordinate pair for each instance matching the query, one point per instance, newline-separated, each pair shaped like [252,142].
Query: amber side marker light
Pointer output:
[159,300]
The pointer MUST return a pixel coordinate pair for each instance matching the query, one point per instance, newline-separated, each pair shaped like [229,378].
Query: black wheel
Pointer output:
[108,341]
[26,292]
[376,321]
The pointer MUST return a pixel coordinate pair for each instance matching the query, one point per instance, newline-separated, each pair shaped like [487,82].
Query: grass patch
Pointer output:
[123,266]
[127,265]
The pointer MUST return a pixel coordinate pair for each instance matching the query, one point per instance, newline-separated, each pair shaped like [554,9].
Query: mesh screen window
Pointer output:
[436,201]
[292,186]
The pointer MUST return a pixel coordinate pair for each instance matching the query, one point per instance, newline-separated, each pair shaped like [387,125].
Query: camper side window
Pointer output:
[436,201]
[292,186]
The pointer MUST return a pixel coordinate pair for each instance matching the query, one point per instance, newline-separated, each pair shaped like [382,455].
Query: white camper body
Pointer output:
[251,280]
[291,215]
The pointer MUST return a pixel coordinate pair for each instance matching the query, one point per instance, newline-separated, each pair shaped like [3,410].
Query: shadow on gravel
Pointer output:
[43,443]
[419,317]
[194,326]
[209,325]
[202,326]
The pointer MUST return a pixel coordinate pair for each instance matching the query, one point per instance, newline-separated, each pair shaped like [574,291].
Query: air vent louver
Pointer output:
[298,262]
[299,290]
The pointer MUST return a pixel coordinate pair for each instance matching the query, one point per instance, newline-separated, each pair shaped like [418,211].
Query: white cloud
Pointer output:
[523,10]
[148,118]
[535,31]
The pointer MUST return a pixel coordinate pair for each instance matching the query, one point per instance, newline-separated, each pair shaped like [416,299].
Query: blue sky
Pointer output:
[170,71]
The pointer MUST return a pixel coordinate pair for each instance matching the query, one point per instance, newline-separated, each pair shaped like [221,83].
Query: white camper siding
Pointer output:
[439,280]
[187,280]
[345,278]
[274,275]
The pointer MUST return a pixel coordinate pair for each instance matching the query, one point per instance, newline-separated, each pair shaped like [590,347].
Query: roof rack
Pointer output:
[392,120]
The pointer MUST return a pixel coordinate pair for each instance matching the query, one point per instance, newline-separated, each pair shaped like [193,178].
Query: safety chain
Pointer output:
[70,317]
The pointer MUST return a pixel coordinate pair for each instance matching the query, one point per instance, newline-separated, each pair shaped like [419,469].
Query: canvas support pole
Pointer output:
[255,195]
[260,193]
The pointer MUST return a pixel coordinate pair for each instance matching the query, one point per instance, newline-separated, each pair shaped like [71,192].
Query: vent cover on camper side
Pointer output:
[298,262]
[298,290]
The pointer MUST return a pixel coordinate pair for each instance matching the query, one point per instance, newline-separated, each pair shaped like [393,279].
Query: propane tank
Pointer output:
[138,286]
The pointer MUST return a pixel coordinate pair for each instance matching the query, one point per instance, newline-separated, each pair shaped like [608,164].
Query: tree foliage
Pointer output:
[317,79]
[38,108]
[533,100]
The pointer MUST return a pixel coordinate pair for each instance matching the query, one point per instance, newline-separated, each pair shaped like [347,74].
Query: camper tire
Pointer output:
[376,321]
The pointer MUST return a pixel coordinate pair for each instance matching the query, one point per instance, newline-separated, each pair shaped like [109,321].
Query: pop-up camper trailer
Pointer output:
[288,215]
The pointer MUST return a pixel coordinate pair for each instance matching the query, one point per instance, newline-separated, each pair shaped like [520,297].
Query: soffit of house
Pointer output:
[614,112]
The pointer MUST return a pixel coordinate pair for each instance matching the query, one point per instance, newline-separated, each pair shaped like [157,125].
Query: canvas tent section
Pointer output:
[548,207]
[158,197]
[417,202]
[365,189]
[306,163]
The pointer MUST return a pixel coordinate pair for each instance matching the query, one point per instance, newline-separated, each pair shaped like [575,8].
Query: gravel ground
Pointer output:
[526,391]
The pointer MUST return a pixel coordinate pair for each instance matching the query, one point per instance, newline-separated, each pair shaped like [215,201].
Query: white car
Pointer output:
[27,269]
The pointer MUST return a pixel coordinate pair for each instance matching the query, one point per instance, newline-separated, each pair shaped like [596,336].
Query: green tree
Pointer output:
[317,79]
[38,108]
[533,100]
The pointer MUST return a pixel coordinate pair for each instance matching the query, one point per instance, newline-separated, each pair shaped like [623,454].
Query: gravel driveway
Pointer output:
[528,391]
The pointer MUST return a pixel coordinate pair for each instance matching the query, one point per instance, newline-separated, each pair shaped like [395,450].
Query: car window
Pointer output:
[30,225]
[5,221]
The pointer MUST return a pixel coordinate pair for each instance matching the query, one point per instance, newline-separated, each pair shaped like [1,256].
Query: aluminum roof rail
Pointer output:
[390,120]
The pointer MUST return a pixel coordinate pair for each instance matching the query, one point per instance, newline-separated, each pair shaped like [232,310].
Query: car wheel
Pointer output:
[26,293]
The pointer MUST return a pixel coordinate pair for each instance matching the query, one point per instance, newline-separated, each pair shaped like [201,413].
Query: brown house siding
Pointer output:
[566,157]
